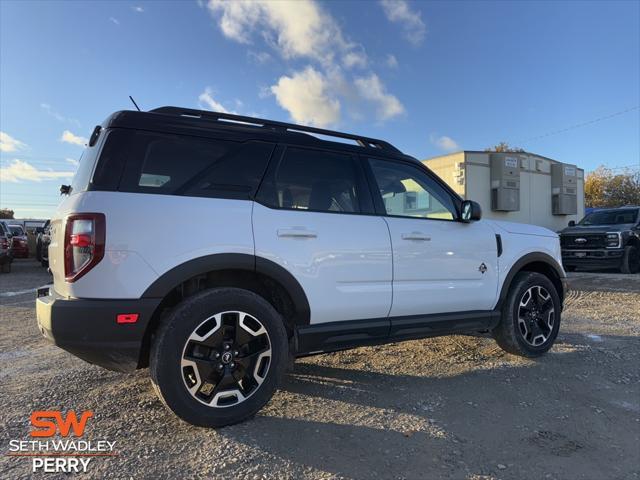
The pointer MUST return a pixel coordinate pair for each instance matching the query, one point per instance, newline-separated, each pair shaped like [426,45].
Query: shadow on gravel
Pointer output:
[554,415]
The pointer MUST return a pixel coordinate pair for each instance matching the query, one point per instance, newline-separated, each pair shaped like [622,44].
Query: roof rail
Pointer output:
[274,125]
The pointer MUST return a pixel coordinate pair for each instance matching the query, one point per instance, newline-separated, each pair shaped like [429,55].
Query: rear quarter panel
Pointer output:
[147,235]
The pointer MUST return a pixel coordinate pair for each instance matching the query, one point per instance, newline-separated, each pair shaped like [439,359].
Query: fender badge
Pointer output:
[482,268]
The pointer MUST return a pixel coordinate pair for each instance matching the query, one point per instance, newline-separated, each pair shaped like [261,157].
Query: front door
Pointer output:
[440,264]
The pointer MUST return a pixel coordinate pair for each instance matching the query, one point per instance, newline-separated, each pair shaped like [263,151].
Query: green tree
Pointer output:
[504,147]
[6,214]
[603,188]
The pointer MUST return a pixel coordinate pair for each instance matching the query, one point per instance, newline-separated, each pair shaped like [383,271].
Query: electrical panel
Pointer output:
[564,189]
[505,183]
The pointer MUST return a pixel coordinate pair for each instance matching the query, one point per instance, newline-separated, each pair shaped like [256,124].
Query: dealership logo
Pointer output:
[57,443]
[580,240]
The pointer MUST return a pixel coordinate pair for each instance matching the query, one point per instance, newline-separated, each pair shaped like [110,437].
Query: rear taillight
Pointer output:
[84,237]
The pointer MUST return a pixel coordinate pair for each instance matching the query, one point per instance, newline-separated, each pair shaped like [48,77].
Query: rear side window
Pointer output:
[191,166]
[313,180]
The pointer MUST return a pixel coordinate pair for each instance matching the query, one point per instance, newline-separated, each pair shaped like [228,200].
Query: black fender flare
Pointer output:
[233,261]
[535,257]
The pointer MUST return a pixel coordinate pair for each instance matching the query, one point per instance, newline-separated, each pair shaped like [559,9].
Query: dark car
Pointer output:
[19,241]
[42,243]
[6,256]
[608,238]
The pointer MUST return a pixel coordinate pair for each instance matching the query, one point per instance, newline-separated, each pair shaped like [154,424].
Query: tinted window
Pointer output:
[313,180]
[407,191]
[611,217]
[82,177]
[16,230]
[192,166]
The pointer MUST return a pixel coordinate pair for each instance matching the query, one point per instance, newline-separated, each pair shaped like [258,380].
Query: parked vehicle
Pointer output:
[6,256]
[43,239]
[310,246]
[606,238]
[19,241]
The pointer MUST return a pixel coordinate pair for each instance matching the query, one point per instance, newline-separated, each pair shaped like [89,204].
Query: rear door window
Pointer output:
[314,180]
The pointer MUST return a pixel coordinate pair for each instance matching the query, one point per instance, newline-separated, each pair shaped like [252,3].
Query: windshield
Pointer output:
[611,217]
[16,230]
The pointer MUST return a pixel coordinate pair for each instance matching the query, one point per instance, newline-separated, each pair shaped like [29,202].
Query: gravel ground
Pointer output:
[453,407]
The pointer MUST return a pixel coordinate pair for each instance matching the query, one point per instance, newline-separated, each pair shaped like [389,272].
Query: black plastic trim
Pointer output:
[499,244]
[88,328]
[333,336]
[233,261]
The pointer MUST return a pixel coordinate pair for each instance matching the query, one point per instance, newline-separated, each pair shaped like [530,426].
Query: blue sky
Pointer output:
[430,77]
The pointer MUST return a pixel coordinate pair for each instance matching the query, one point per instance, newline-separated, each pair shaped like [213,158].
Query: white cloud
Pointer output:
[391,61]
[138,9]
[19,170]
[355,58]
[399,11]
[207,102]
[73,161]
[58,116]
[445,143]
[305,95]
[10,144]
[69,137]
[114,20]
[259,57]
[296,29]
[372,89]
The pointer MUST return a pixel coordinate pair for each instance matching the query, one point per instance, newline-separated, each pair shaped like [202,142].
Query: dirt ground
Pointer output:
[446,408]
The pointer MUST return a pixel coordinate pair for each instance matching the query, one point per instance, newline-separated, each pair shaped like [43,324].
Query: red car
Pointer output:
[19,242]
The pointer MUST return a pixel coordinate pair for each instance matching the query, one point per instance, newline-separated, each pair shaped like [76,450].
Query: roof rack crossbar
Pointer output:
[278,126]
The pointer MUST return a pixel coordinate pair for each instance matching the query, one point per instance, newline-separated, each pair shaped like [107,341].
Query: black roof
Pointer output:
[238,127]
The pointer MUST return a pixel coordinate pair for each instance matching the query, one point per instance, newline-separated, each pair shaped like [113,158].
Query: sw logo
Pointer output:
[41,420]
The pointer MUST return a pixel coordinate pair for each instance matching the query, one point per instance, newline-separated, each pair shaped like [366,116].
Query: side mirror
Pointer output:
[572,223]
[470,211]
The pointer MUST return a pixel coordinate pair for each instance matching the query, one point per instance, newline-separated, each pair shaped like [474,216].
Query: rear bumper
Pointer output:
[603,258]
[88,328]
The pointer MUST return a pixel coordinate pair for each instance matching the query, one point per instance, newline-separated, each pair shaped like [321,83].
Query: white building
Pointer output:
[517,187]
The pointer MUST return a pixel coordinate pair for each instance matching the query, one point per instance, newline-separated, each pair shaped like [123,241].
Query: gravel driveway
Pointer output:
[452,407]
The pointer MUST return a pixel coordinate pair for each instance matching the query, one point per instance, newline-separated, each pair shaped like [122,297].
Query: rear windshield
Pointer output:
[16,230]
[82,177]
[611,217]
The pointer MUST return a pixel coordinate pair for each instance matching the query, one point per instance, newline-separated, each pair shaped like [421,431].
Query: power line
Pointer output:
[578,125]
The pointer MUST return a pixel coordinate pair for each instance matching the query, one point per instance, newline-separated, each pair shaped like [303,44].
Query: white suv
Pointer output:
[292,241]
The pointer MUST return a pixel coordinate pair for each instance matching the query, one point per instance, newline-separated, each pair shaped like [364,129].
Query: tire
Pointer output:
[570,268]
[630,260]
[6,267]
[180,341]
[44,263]
[39,251]
[521,331]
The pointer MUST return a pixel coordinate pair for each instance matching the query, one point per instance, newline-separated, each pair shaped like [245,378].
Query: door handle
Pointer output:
[296,232]
[416,236]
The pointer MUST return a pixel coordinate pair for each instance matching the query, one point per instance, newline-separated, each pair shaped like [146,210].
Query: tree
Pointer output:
[6,214]
[603,188]
[503,147]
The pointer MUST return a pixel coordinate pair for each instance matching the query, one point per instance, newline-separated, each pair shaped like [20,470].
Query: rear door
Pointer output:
[440,265]
[314,217]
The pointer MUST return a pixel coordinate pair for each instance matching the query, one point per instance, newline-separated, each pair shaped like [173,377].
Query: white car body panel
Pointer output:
[442,274]
[142,243]
[345,269]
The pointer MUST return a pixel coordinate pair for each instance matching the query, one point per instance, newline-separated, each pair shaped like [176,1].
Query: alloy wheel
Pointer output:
[536,315]
[226,358]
